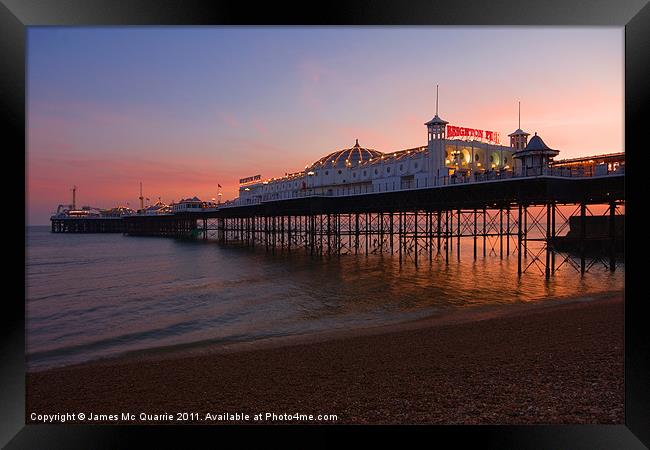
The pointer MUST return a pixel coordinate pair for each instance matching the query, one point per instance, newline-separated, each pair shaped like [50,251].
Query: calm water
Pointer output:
[92,296]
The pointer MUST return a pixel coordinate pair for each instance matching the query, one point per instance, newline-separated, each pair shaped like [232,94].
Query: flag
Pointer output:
[218,185]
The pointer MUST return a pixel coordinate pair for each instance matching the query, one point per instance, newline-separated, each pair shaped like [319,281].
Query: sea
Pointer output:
[94,296]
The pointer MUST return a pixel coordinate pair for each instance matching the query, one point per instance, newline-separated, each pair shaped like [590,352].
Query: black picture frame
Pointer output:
[634,15]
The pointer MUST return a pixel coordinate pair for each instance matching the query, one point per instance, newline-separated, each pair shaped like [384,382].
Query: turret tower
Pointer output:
[436,129]
[519,138]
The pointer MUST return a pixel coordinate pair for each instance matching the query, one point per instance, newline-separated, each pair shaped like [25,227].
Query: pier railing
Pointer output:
[488,176]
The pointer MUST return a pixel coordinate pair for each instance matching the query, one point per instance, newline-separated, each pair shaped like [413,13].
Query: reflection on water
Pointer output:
[92,296]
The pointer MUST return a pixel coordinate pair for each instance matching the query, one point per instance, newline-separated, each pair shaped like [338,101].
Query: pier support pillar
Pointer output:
[484,232]
[458,233]
[501,233]
[450,229]
[519,240]
[415,237]
[356,233]
[289,237]
[329,234]
[399,235]
[612,236]
[446,236]
[583,232]
[548,240]
[430,234]
[554,207]
[508,231]
[475,233]
[525,231]
[391,232]
[438,231]
[368,229]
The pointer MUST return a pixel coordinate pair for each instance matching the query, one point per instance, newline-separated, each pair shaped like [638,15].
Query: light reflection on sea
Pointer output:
[91,296]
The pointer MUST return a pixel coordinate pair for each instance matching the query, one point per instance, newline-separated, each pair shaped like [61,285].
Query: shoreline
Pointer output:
[448,318]
[558,361]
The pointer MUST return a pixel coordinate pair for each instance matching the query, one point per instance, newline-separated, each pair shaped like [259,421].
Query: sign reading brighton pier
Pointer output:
[490,136]
[249,179]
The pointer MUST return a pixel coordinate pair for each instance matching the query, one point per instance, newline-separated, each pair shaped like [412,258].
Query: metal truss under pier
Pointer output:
[87,225]
[523,218]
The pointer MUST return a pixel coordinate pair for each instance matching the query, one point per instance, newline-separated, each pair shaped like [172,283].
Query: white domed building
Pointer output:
[452,155]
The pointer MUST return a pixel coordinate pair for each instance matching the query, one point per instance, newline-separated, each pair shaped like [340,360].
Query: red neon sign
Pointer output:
[490,136]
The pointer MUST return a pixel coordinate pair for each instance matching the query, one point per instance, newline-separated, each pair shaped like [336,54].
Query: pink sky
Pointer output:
[109,108]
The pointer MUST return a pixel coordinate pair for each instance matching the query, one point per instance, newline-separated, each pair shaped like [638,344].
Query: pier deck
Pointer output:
[529,191]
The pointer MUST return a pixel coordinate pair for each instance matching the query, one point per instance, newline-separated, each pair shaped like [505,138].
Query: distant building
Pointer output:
[597,165]
[118,211]
[156,209]
[191,205]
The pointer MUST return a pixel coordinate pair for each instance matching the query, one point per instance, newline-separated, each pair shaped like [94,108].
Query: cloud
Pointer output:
[229,119]
[260,126]
[311,75]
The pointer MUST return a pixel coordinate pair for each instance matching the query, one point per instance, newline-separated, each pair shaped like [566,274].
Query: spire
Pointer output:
[141,198]
[518,131]
[436,119]
[356,143]
[436,99]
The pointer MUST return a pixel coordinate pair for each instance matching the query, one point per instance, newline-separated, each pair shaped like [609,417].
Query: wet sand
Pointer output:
[552,362]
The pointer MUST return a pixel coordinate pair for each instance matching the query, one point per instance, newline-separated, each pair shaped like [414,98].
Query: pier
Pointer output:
[418,203]
[505,220]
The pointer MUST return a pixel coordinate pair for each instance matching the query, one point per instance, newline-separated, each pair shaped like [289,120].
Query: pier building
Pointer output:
[193,204]
[452,154]
[157,208]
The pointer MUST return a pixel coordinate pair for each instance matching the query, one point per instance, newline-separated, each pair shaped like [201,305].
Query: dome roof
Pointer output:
[436,121]
[346,157]
[537,145]
[519,132]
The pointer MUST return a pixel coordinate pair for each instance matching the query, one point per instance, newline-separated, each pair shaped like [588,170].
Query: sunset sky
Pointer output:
[182,109]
